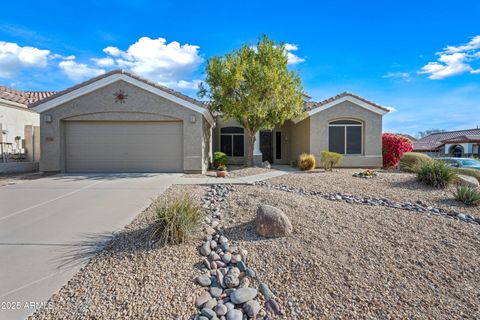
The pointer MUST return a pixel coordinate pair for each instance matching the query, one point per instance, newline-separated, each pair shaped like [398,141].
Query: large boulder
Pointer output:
[272,222]
[468,181]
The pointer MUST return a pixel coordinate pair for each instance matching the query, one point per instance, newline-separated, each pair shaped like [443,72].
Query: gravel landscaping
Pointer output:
[129,281]
[342,261]
[347,261]
[392,185]
[233,172]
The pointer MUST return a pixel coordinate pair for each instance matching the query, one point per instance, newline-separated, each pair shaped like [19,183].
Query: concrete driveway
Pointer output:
[42,220]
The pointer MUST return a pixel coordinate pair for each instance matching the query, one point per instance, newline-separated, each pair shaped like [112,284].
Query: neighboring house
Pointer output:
[120,122]
[461,143]
[16,116]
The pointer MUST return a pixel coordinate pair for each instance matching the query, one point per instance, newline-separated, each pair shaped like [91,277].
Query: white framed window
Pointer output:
[232,141]
[345,137]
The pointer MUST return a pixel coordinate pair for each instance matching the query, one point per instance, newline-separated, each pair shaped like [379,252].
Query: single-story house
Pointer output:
[18,122]
[120,122]
[461,143]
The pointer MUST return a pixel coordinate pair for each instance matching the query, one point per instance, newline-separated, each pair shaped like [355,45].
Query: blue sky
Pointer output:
[420,57]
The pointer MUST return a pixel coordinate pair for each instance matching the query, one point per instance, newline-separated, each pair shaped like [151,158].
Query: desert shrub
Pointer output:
[219,158]
[468,172]
[393,147]
[411,160]
[329,160]
[306,161]
[436,173]
[177,219]
[467,195]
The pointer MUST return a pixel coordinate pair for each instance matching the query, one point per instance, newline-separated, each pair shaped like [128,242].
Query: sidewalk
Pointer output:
[280,171]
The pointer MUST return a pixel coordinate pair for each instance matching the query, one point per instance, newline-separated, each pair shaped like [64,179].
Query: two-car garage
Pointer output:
[119,122]
[123,146]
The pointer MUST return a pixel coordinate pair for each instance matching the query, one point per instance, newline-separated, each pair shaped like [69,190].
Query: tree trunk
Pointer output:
[251,147]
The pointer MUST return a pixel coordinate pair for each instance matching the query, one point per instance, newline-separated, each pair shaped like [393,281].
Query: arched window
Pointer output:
[232,141]
[345,136]
[457,151]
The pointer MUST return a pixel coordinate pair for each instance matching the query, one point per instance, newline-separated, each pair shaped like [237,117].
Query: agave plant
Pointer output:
[467,195]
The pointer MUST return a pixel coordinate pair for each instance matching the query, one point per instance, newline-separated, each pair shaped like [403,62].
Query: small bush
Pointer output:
[393,147]
[306,161]
[468,172]
[219,158]
[329,160]
[436,173]
[467,195]
[177,219]
[411,160]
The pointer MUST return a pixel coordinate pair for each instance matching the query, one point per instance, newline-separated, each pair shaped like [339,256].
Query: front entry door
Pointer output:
[266,145]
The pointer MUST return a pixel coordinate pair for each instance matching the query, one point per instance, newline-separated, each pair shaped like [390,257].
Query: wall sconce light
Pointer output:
[193,119]
[47,118]
[286,137]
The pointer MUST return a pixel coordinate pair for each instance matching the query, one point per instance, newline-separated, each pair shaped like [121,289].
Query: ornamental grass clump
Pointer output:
[306,161]
[436,174]
[467,195]
[410,161]
[329,160]
[178,218]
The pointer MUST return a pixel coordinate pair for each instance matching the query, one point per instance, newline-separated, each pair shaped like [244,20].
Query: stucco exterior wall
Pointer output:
[372,133]
[100,105]
[222,123]
[298,138]
[207,145]
[13,119]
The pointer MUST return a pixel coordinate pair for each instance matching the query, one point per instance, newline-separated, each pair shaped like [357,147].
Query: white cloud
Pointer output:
[113,51]
[104,62]
[398,75]
[292,58]
[14,58]
[454,60]
[391,109]
[472,45]
[167,63]
[79,71]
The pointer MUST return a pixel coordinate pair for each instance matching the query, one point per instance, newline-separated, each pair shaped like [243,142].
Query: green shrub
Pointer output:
[329,160]
[411,160]
[468,172]
[467,195]
[306,161]
[178,218]
[219,158]
[436,173]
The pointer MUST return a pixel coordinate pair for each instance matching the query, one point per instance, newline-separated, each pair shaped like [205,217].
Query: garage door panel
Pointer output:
[123,146]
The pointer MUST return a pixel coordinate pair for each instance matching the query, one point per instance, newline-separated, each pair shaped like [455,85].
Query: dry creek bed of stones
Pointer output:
[225,272]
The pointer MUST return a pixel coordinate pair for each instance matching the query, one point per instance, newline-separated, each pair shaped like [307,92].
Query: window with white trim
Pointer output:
[232,141]
[345,136]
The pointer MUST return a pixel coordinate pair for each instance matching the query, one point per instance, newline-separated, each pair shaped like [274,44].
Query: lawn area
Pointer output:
[342,261]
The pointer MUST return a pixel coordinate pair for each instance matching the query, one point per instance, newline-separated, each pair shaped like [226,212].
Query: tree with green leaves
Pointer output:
[254,86]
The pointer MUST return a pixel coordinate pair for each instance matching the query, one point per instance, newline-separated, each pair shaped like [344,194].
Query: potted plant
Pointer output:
[221,170]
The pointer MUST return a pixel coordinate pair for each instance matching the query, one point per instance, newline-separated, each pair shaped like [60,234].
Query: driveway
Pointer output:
[41,221]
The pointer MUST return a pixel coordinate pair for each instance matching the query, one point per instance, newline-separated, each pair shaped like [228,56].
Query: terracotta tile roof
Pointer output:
[435,140]
[23,97]
[310,105]
[119,71]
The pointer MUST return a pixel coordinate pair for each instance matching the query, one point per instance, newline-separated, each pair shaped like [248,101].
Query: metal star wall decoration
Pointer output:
[120,96]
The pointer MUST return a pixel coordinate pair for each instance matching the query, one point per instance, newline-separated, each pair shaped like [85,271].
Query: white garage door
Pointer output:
[123,146]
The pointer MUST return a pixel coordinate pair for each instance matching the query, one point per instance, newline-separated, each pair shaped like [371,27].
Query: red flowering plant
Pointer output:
[393,147]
